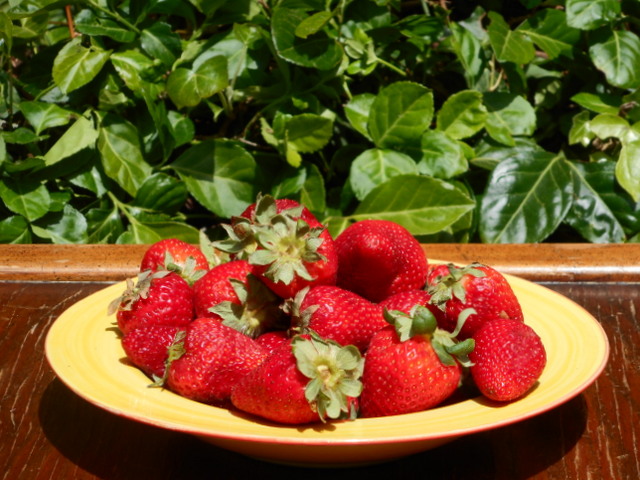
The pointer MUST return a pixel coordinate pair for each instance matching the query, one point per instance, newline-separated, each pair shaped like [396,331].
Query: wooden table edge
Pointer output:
[536,262]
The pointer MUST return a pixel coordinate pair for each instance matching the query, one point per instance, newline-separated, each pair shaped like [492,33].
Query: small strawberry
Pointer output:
[336,314]
[289,248]
[156,298]
[147,347]
[177,256]
[378,258]
[211,360]
[481,287]
[232,293]
[305,380]
[508,359]
[410,365]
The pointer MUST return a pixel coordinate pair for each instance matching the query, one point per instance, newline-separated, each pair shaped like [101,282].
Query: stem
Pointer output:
[116,16]
[391,66]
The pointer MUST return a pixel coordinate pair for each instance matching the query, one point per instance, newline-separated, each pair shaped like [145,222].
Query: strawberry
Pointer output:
[481,287]
[211,359]
[406,300]
[288,246]
[177,256]
[508,359]
[270,341]
[305,380]
[156,298]
[410,365]
[231,292]
[336,314]
[378,258]
[147,347]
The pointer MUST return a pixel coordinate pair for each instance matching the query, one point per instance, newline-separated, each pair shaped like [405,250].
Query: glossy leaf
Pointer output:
[312,24]
[423,205]
[188,87]
[313,193]
[591,14]
[548,29]
[82,134]
[617,54]
[399,115]
[440,156]
[612,126]
[525,199]
[375,166]
[508,45]
[590,213]
[628,169]
[146,228]
[14,229]
[161,192]
[43,115]
[462,115]
[220,175]
[598,102]
[160,42]
[67,226]
[76,65]
[90,24]
[357,112]
[508,115]
[581,131]
[308,133]
[25,197]
[103,225]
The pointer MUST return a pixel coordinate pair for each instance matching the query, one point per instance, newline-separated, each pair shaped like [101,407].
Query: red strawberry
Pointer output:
[147,347]
[177,256]
[289,248]
[270,341]
[337,314]
[508,359]
[212,360]
[409,366]
[158,298]
[305,380]
[454,289]
[232,293]
[378,258]
[405,301]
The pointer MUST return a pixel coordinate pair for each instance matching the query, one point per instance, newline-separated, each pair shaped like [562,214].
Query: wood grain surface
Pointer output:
[48,432]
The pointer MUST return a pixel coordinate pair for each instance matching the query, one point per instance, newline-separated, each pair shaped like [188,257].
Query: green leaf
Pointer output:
[509,115]
[612,126]
[462,114]
[313,193]
[591,14]
[160,42]
[422,205]
[121,153]
[134,68]
[357,112]
[25,197]
[581,129]
[590,213]
[312,24]
[469,52]
[14,229]
[188,87]
[400,113]
[548,29]
[317,51]
[598,102]
[68,226]
[308,133]
[617,54]
[440,156]
[103,225]
[162,193]
[79,136]
[88,23]
[76,65]
[374,167]
[43,115]
[150,228]
[628,169]
[488,154]
[220,174]
[526,199]
[508,45]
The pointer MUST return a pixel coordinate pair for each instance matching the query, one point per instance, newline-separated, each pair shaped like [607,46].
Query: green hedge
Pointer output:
[491,121]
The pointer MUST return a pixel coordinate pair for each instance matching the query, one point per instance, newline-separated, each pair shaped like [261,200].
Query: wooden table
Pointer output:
[48,432]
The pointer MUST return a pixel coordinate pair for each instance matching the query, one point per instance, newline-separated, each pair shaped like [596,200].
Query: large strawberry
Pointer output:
[378,258]
[508,359]
[288,246]
[231,292]
[337,314]
[147,347]
[156,298]
[306,379]
[481,287]
[211,360]
[410,365]
[177,256]
[406,300]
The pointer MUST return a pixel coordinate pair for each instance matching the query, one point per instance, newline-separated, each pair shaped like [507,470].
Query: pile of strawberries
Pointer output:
[281,321]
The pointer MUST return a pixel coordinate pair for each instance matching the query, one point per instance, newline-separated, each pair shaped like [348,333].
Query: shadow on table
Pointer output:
[114,448]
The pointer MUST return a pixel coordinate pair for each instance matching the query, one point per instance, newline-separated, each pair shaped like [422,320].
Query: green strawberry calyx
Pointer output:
[186,270]
[447,287]
[258,311]
[174,352]
[421,321]
[134,291]
[334,372]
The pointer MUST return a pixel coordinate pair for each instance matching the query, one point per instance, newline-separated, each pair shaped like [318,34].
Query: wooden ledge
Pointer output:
[536,262]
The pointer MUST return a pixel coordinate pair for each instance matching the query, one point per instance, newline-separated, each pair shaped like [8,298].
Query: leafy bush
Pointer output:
[492,121]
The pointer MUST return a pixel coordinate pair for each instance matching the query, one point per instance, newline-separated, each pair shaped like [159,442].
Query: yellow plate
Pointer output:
[84,351]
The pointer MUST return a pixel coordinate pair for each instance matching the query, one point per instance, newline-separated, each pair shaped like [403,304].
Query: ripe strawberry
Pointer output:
[270,341]
[177,256]
[409,366]
[211,360]
[305,380]
[476,286]
[288,246]
[378,258]
[232,293]
[157,298]
[147,347]
[406,300]
[508,359]
[337,314]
